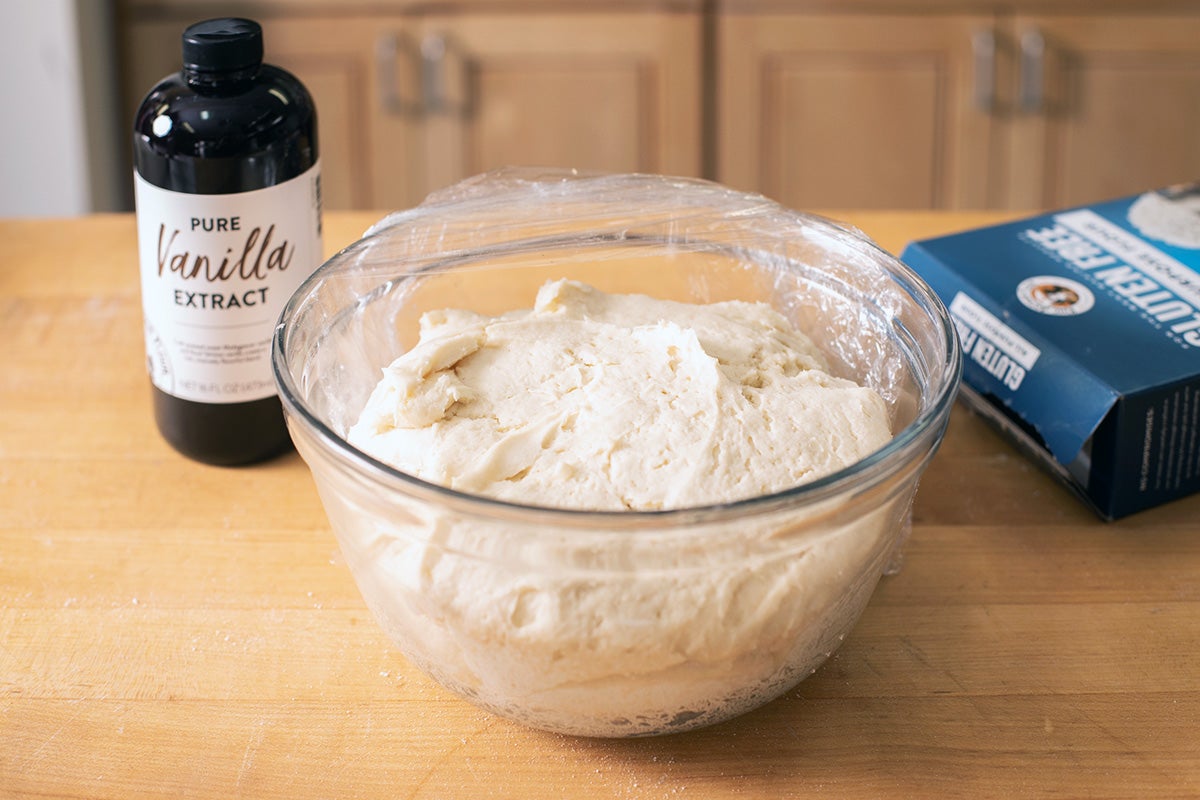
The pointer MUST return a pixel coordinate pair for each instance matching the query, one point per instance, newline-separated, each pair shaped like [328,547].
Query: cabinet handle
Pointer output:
[388,48]
[433,68]
[1033,71]
[435,51]
[983,52]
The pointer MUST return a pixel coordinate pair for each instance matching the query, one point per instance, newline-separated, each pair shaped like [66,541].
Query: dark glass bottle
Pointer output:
[229,223]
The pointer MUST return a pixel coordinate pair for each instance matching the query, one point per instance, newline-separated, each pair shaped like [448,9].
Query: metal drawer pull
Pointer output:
[440,55]
[433,73]
[1033,63]
[983,51]
[388,48]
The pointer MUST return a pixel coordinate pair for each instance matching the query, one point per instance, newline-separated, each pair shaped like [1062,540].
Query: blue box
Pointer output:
[1080,332]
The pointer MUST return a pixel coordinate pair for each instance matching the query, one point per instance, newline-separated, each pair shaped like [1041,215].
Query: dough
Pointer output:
[594,401]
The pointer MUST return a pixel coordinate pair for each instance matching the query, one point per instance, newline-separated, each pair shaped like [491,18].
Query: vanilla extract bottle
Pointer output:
[227,191]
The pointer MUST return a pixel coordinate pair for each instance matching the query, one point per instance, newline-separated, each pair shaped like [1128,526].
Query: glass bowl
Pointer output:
[627,623]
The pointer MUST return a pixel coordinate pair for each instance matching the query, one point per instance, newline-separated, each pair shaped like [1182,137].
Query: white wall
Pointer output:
[60,137]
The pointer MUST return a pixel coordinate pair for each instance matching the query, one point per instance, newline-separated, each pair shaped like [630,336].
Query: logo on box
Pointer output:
[1055,295]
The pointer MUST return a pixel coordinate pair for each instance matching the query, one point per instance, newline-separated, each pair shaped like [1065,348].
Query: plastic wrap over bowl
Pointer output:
[614,623]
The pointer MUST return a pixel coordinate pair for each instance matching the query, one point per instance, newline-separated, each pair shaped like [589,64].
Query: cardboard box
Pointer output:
[1080,332]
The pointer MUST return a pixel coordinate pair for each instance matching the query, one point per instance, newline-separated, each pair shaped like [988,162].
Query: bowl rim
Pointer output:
[856,477]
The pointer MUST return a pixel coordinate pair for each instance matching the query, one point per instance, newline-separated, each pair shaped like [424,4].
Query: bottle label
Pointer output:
[216,271]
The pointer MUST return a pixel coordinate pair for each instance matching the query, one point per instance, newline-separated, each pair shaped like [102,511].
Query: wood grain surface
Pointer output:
[169,629]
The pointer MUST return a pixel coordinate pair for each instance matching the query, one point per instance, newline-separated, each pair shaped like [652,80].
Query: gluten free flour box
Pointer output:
[1080,332]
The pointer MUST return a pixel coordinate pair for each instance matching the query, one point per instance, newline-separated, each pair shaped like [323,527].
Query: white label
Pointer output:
[980,319]
[217,270]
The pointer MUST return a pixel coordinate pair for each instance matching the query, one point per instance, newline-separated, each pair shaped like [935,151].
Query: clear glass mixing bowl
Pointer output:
[614,623]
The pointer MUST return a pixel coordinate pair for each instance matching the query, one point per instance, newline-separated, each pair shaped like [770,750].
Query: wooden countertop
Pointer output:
[169,629]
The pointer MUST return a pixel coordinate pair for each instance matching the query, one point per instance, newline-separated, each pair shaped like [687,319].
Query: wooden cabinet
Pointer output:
[1105,106]
[602,91]
[901,104]
[411,101]
[852,110]
[931,109]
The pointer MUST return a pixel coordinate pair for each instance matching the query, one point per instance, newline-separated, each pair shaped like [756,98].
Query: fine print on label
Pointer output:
[1005,354]
[216,271]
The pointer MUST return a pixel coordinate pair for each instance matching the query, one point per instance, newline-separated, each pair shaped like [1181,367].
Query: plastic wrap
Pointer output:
[829,278]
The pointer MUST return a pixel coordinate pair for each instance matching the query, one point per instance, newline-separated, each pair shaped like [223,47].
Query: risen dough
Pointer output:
[597,401]
[600,401]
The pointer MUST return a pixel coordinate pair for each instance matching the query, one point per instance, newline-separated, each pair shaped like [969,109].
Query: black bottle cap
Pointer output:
[222,45]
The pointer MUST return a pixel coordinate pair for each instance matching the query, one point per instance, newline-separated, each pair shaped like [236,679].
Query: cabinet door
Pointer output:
[358,82]
[1109,106]
[858,111]
[615,91]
